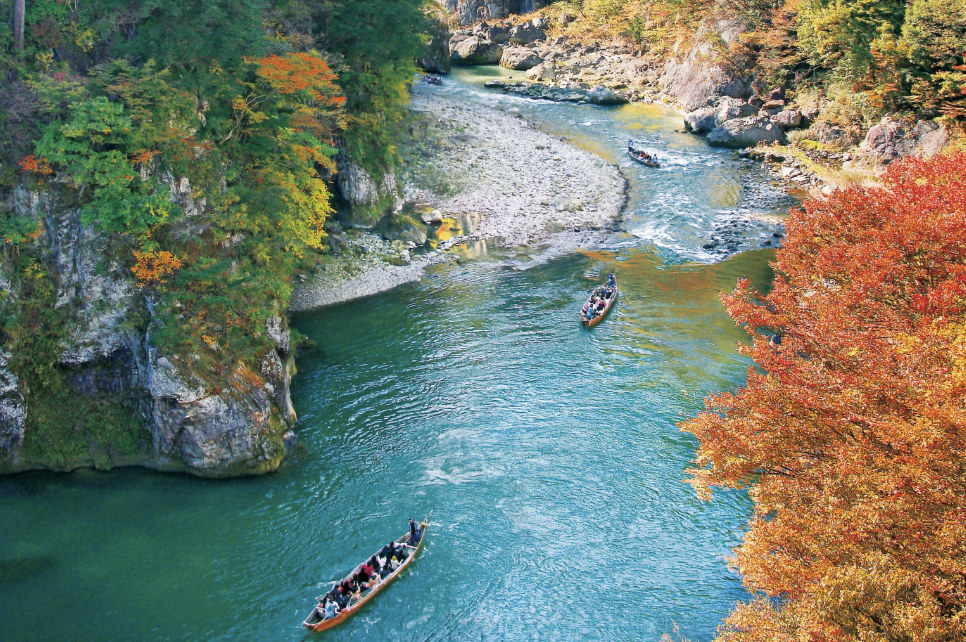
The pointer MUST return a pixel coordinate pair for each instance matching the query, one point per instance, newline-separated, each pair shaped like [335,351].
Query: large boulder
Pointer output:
[475,51]
[746,132]
[499,33]
[401,227]
[773,107]
[701,121]
[888,141]
[730,108]
[526,33]
[436,57]
[788,119]
[892,139]
[601,95]
[520,58]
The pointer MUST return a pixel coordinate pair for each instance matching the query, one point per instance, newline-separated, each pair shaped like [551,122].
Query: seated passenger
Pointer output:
[374,564]
[394,563]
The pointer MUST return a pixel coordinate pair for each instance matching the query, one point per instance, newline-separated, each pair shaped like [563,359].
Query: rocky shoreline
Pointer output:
[729,109]
[496,174]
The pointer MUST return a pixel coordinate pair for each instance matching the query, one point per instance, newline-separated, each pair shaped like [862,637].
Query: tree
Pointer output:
[851,433]
[19,10]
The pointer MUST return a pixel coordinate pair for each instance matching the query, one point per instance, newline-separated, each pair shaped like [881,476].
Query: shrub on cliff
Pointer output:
[851,433]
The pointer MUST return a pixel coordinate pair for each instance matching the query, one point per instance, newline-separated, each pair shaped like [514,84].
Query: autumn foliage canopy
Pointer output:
[851,433]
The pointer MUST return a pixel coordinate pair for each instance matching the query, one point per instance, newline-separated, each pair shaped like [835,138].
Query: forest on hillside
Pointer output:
[196,139]
[861,59]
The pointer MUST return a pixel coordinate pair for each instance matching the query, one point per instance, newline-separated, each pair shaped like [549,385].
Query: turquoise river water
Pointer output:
[549,454]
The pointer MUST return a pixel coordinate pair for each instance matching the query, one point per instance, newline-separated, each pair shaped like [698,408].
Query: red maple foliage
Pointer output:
[850,433]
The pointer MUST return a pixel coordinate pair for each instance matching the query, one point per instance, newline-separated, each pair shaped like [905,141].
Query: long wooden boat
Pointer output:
[640,157]
[608,304]
[315,624]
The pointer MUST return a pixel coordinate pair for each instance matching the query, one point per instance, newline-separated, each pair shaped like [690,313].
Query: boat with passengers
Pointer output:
[411,543]
[601,300]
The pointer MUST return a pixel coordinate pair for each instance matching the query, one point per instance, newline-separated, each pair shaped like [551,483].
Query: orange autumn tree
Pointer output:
[293,103]
[850,435]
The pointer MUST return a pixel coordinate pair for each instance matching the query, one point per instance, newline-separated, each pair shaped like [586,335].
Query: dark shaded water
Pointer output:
[549,455]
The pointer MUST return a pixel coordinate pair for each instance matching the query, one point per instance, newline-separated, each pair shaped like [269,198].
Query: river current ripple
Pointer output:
[549,456]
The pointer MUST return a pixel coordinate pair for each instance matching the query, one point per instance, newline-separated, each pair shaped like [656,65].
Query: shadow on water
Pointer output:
[18,570]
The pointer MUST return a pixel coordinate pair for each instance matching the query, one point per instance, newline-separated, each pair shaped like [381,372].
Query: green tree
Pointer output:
[90,152]
[934,36]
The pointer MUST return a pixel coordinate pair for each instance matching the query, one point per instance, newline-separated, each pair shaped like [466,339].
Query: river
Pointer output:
[549,454]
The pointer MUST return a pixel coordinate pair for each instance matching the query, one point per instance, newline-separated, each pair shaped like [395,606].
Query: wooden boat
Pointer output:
[315,623]
[432,80]
[608,304]
[641,157]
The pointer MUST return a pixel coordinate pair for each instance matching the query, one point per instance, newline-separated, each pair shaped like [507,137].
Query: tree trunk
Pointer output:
[18,13]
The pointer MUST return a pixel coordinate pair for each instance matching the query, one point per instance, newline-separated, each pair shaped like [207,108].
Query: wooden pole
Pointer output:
[18,15]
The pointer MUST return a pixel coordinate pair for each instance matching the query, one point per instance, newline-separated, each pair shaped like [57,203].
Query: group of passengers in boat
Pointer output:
[641,154]
[597,303]
[367,576]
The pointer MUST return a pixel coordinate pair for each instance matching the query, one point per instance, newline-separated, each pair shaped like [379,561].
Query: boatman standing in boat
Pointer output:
[413,533]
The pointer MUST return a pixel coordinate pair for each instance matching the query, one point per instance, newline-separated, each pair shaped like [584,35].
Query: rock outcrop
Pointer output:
[469,11]
[746,132]
[696,81]
[13,414]
[107,362]
[368,199]
[436,59]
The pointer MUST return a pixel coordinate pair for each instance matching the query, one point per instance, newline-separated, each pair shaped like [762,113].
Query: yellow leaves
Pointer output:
[152,267]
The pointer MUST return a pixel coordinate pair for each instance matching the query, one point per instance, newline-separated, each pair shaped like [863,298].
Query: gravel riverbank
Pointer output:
[473,163]
[523,183]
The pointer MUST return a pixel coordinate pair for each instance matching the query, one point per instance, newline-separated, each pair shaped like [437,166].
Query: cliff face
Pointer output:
[117,399]
[470,11]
